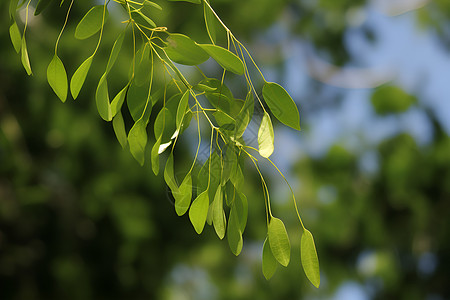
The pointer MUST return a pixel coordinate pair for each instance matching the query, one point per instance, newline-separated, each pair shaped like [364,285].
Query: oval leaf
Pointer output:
[16,39]
[265,136]
[169,177]
[234,233]
[182,107]
[279,241]
[91,23]
[115,52]
[310,261]
[102,100]
[24,57]
[218,217]
[191,1]
[281,104]
[183,196]
[119,129]
[269,263]
[116,104]
[181,49]
[57,78]
[155,156]
[78,78]
[199,211]
[137,138]
[225,58]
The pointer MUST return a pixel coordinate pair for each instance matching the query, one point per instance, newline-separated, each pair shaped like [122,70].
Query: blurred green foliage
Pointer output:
[80,219]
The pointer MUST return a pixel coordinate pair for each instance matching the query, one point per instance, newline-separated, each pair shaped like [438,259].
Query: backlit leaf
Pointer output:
[265,136]
[183,195]
[136,100]
[42,4]
[281,104]
[115,52]
[91,23]
[181,49]
[269,263]
[191,1]
[102,100]
[169,176]
[79,77]
[155,156]
[116,104]
[119,129]
[12,8]
[199,211]
[241,205]
[219,219]
[226,59]
[24,57]
[143,67]
[137,139]
[279,241]
[16,39]
[210,21]
[57,78]
[182,107]
[310,261]
[234,233]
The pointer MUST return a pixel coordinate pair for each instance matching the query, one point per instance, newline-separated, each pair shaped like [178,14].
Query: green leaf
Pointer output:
[219,219]
[310,261]
[137,139]
[13,8]
[16,39]
[182,108]
[145,18]
[183,195]
[115,52]
[281,104]
[238,178]
[279,241]
[225,58]
[91,23]
[79,77]
[204,88]
[136,100]
[57,78]
[42,4]
[148,4]
[116,104]
[143,67]
[245,115]
[225,122]
[24,57]
[229,164]
[210,22]
[269,263]
[199,211]
[102,99]
[234,233]
[119,129]
[169,176]
[241,205]
[155,156]
[191,1]
[181,49]
[265,136]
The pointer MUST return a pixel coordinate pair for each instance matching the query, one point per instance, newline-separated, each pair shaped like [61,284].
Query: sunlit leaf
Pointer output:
[136,100]
[183,195]
[16,38]
[79,77]
[182,107]
[169,176]
[115,52]
[310,261]
[199,211]
[144,17]
[279,241]
[57,78]
[13,8]
[119,129]
[229,164]
[91,23]
[234,233]
[245,115]
[102,100]
[137,139]
[269,263]
[152,4]
[241,205]
[281,104]
[181,49]
[219,219]
[24,57]
[143,67]
[225,58]
[155,156]
[265,136]
[210,21]
[118,100]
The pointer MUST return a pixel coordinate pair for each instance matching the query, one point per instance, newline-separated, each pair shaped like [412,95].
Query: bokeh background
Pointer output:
[80,219]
